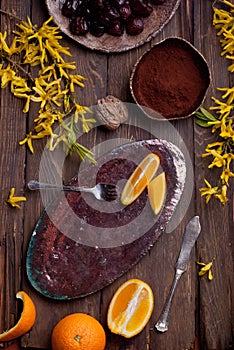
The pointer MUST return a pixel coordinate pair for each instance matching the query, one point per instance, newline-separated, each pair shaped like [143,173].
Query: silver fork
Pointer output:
[107,192]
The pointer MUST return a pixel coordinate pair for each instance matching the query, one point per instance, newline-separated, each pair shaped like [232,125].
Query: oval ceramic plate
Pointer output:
[81,245]
[107,43]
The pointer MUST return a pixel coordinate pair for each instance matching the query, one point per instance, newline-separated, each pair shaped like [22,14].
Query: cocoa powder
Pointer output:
[171,78]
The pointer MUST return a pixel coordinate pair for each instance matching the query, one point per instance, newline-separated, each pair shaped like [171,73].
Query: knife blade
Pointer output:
[192,231]
[191,234]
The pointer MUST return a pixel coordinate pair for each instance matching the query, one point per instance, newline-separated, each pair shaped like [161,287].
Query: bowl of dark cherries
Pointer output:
[108,16]
[111,25]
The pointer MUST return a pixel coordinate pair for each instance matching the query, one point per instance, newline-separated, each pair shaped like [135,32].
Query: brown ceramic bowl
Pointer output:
[170,80]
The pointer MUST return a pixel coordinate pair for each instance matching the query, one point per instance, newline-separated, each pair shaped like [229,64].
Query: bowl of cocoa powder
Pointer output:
[170,80]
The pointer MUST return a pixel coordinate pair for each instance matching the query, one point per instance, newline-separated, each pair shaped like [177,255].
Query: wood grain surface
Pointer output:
[202,312]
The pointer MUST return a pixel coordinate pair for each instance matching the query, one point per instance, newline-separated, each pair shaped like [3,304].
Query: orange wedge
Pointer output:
[130,308]
[157,192]
[140,178]
[26,320]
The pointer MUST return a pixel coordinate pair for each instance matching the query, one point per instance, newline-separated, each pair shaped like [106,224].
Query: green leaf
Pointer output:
[201,116]
[83,152]
[71,137]
[207,114]
[202,123]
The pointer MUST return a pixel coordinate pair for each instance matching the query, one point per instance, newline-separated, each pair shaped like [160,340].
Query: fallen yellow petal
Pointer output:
[13,200]
[210,275]
[206,268]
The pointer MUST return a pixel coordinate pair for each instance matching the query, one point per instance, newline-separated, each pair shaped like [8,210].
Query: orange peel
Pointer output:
[26,321]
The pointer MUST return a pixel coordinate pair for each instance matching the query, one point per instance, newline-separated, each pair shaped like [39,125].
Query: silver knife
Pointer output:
[191,234]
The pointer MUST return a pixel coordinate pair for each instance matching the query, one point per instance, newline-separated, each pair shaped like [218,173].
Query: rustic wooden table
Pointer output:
[202,312]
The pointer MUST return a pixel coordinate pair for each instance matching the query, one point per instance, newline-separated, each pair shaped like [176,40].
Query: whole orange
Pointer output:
[78,331]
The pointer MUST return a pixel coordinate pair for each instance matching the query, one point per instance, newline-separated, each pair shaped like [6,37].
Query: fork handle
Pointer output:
[35,185]
[162,324]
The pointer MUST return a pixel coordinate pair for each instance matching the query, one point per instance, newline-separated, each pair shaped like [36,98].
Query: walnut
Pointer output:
[111,112]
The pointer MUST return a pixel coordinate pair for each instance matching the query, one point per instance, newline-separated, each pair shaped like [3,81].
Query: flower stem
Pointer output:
[18,66]
[10,15]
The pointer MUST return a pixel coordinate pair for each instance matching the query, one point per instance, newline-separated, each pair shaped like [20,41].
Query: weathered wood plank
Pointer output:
[182,313]
[93,66]
[215,298]
[12,159]
[162,257]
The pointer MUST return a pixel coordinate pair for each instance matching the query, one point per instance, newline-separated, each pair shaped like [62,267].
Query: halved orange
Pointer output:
[140,178]
[130,308]
[26,320]
[157,189]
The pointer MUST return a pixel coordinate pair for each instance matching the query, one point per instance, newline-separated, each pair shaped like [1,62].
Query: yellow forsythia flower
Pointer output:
[206,268]
[12,200]
[223,122]
[28,140]
[208,191]
[53,89]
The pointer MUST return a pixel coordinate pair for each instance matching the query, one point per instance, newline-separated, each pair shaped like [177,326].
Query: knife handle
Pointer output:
[162,324]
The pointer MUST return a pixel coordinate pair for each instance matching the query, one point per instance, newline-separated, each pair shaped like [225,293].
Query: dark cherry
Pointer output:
[98,4]
[79,26]
[125,12]
[97,29]
[116,28]
[134,26]
[107,15]
[141,8]
[87,13]
[70,8]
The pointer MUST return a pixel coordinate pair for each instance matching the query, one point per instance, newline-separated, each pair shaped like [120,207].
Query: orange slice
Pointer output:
[140,178]
[130,308]
[157,192]
[26,320]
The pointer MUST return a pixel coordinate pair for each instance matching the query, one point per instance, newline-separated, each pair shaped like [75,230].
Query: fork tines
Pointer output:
[108,192]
